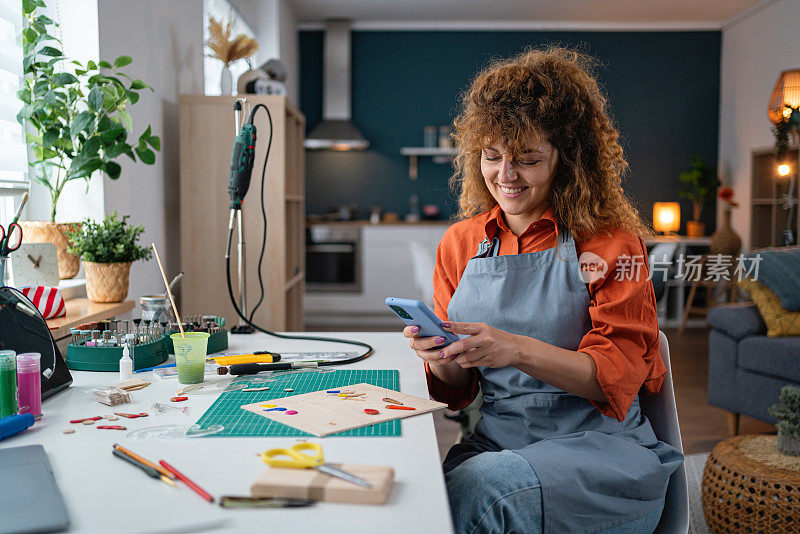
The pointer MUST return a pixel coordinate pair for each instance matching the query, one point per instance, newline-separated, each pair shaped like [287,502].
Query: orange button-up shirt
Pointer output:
[623,340]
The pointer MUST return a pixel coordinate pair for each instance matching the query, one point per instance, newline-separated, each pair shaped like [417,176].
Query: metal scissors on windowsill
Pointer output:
[6,246]
[295,457]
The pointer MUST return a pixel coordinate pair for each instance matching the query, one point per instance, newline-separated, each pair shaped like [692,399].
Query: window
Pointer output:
[13,149]
[222,11]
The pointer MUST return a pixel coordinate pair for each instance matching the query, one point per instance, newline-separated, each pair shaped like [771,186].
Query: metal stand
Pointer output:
[242,327]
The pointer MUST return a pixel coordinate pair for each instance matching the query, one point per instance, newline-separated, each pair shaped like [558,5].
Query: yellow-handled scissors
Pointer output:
[297,457]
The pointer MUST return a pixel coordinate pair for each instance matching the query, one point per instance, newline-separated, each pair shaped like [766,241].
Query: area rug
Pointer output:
[694,476]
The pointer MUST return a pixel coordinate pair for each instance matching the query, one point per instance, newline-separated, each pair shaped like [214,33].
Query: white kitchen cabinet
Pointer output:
[386,270]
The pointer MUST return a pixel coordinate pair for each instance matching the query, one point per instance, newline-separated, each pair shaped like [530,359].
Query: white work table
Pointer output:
[105,494]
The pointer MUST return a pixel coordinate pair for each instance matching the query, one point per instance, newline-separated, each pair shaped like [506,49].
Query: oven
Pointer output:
[333,258]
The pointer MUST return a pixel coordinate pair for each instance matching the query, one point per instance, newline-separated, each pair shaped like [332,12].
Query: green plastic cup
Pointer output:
[190,356]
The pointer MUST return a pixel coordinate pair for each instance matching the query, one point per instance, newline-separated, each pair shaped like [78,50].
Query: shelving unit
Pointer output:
[439,155]
[768,218]
[207,135]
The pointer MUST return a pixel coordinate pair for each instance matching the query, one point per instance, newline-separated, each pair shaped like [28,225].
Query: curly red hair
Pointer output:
[547,92]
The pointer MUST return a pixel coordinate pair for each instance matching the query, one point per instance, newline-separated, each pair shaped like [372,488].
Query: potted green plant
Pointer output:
[77,122]
[107,250]
[788,124]
[787,412]
[703,182]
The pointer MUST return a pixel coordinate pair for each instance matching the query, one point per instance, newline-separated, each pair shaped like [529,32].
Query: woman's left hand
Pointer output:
[486,347]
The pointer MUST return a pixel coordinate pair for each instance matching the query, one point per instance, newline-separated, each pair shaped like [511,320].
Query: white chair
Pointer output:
[422,263]
[661,411]
[662,255]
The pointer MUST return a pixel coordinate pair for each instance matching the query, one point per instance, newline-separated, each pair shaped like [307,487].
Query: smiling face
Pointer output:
[521,184]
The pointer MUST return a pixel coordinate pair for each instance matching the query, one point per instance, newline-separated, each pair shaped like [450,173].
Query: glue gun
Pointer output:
[14,424]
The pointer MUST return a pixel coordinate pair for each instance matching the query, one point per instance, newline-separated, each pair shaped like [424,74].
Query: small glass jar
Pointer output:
[429,137]
[29,383]
[8,383]
[445,137]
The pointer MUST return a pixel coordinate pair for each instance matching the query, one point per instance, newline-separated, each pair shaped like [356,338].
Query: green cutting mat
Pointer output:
[226,410]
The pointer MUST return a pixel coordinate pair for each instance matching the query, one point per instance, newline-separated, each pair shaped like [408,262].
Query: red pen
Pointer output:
[197,489]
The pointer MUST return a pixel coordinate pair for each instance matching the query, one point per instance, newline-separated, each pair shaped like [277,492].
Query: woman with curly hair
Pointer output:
[559,342]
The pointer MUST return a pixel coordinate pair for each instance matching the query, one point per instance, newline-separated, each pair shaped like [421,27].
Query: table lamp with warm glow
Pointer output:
[666,217]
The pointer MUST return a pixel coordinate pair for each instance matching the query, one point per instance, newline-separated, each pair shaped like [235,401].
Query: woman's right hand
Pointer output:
[427,348]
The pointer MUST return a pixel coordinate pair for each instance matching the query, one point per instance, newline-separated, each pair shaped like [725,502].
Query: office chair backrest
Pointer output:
[661,411]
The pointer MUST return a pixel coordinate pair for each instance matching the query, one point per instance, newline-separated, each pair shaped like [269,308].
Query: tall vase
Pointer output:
[226,81]
[725,240]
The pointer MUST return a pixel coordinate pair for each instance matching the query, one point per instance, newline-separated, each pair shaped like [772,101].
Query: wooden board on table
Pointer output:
[321,414]
[310,484]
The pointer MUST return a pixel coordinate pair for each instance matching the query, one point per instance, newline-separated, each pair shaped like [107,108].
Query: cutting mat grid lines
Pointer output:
[226,410]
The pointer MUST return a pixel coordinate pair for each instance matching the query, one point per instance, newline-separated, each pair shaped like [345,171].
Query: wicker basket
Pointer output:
[748,486]
[107,282]
[55,233]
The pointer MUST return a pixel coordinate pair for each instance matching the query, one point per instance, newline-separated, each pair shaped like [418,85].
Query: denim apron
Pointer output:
[595,472]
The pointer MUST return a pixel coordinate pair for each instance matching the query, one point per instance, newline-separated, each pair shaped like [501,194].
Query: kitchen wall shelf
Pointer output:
[439,155]
[206,142]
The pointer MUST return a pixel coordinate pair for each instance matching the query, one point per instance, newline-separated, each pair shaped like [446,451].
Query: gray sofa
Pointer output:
[746,369]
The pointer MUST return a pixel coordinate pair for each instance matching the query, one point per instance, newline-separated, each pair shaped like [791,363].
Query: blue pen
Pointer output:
[14,424]
[156,367]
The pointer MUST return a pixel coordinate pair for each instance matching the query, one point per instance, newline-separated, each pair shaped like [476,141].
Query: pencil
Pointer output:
[197,489]
[151,472]
[139,459]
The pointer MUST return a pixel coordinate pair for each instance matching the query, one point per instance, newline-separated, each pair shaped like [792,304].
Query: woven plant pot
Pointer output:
[55,233]
[789,445]
[107,282]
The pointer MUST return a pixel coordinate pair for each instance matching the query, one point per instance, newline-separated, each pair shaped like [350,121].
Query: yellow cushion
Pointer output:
[779,321]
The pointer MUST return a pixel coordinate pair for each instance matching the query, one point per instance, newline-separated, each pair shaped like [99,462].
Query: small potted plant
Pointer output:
[77,121]
[703,182]
[107,250]
[787,412]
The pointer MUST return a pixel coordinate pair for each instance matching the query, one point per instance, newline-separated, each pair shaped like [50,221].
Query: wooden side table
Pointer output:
[749,486]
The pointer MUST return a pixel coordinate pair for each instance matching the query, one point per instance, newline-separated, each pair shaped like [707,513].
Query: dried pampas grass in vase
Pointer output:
[227,49]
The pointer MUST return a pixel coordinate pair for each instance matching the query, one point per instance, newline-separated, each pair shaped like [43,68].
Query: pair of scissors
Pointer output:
[5,239]
[297,457]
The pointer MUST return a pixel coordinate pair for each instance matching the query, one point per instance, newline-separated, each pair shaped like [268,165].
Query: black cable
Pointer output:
[263,209]
[249,321]
[354,359]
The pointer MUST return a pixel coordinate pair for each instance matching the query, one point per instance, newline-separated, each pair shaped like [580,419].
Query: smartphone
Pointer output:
[415,313]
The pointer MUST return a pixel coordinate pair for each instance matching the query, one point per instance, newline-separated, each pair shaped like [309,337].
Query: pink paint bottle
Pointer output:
[29,384]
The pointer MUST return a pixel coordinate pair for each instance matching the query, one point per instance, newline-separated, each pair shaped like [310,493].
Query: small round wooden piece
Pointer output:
[68,431]
[371,411]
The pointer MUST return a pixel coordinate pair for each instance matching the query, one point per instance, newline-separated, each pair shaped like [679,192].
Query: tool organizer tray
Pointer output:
[227,411]
[81,358]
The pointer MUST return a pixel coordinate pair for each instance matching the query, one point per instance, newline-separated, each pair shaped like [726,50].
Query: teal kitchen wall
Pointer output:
[663,89]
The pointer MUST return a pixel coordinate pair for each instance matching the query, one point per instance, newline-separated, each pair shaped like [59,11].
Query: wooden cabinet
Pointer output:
[206,142]
[769,218]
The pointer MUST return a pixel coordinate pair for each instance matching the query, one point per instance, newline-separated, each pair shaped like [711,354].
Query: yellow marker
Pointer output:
[256,357]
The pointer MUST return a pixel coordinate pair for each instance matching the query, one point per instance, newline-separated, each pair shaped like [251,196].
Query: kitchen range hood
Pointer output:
[336,131]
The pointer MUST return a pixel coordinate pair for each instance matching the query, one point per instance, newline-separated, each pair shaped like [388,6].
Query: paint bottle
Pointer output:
[29,380]
[125,365]
[8,383]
